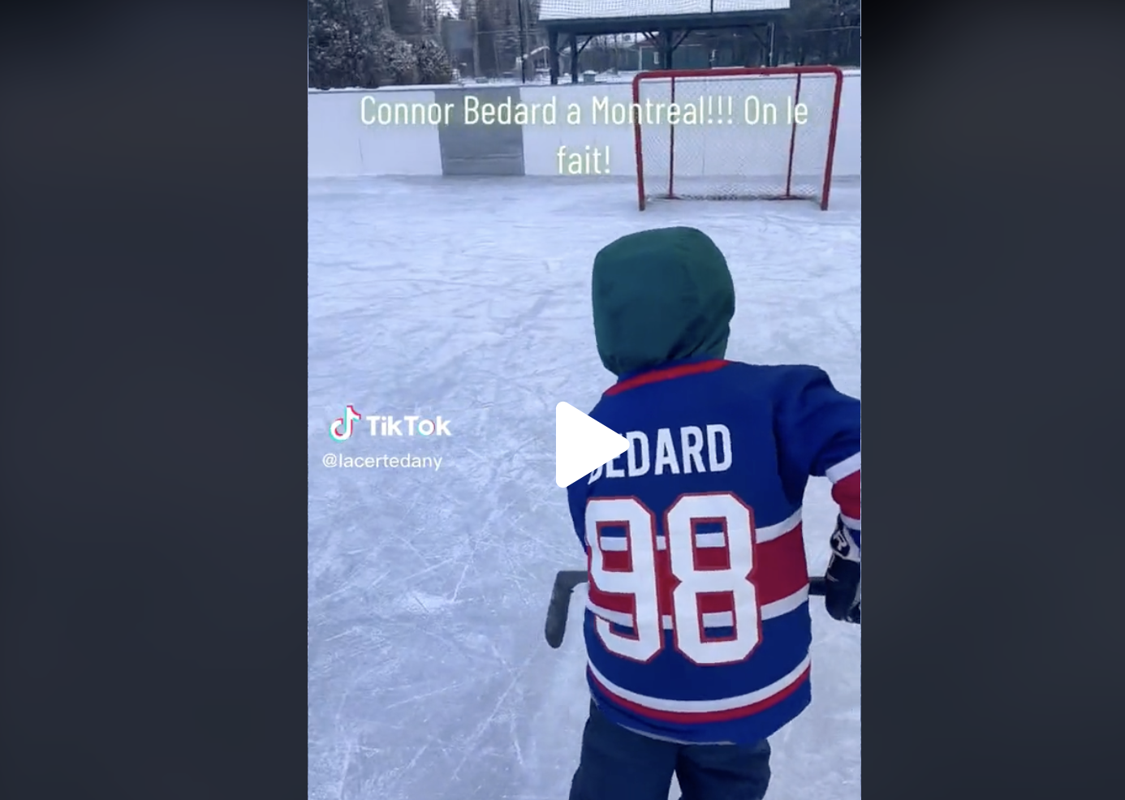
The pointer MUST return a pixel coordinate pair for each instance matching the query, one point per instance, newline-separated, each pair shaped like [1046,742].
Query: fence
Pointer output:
[519,51]
[496,54]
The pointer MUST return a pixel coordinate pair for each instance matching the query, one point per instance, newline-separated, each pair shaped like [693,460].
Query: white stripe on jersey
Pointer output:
[771,532]
[618,544]
[720,619]
[703,706]
[843,469]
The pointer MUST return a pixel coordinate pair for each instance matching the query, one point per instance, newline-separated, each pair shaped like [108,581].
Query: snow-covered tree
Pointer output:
[433,63]
[372,43]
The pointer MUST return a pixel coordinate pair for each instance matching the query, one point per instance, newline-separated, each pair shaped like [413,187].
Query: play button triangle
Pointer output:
[582,444]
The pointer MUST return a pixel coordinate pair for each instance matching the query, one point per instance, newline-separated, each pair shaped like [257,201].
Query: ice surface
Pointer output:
[428,675]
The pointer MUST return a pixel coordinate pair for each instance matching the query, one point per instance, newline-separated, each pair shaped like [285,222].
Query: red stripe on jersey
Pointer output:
[696,717]
[706,558]
[622,603]
[781,567]
[617,561]
[665,374]
[780,571]
[715,602]
[846,494]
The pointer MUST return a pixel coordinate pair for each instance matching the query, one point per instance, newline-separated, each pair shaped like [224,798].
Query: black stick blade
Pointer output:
[559,608]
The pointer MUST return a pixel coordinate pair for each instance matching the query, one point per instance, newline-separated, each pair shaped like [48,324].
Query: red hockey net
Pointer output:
[727,134]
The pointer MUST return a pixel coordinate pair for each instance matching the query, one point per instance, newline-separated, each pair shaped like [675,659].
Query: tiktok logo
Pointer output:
[343,427]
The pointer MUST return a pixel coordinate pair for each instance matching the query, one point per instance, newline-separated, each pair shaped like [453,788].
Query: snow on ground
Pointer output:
[428,675]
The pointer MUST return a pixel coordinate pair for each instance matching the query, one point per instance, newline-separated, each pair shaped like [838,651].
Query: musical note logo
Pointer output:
[343,427]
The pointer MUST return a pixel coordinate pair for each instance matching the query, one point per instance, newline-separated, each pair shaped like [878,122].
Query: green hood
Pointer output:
[659,296]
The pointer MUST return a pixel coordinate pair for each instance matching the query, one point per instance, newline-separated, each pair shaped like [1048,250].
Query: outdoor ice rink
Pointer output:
[429,678]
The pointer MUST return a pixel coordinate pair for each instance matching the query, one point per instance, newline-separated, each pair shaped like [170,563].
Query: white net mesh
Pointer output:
[736,134]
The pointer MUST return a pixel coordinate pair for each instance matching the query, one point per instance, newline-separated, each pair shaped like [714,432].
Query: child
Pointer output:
[697,625]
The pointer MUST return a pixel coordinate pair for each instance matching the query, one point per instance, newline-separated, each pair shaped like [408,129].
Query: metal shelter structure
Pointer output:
[665,22]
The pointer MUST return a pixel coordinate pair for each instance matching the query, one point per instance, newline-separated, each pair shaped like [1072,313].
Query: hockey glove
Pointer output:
[842,579]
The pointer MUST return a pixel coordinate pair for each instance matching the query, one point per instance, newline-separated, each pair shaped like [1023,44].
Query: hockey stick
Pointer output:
[567,579]
[559,606]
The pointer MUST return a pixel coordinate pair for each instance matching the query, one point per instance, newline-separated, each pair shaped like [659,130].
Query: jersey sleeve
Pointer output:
[819,436]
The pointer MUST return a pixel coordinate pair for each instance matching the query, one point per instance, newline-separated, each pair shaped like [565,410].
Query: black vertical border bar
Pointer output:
[992,395]
[153,359]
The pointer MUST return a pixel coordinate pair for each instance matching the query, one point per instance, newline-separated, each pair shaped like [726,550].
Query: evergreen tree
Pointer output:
[433,63]
[342,44]
[396,62]
[361,44]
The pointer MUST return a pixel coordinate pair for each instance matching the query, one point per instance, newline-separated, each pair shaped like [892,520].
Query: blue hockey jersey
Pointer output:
[697,622]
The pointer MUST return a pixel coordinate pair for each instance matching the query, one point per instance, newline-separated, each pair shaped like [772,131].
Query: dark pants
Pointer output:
[617,764]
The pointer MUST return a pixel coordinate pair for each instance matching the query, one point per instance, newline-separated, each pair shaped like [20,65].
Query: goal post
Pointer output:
[740,133]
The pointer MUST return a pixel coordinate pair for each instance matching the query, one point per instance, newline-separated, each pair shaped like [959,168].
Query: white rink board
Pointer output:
[753,142]
[561,10]
[340,145]
[848,152]
[541,143]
